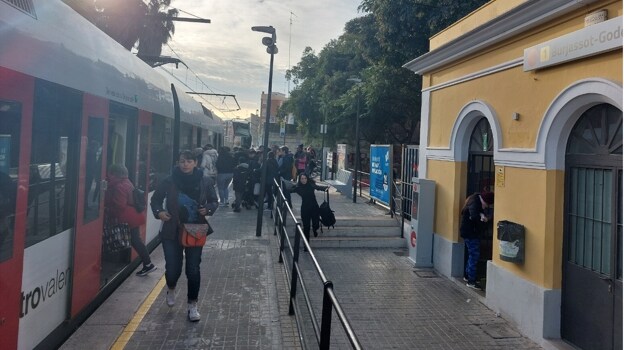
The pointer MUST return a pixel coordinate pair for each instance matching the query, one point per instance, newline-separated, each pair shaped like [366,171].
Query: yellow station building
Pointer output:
[524,98]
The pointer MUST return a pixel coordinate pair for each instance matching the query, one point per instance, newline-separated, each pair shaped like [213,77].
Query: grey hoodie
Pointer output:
[209,162]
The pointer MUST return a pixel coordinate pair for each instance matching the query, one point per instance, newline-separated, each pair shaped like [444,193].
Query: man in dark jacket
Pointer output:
[470,229]
[285,163]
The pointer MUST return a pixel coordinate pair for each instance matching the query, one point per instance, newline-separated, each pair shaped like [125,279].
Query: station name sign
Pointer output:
[589,41]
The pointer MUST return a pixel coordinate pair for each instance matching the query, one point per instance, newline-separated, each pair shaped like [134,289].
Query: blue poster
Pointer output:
[380,173]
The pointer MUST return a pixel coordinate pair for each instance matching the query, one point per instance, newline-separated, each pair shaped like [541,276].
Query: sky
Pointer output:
[229,58]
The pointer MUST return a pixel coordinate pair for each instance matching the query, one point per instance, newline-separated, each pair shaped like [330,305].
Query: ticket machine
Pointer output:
[420,240]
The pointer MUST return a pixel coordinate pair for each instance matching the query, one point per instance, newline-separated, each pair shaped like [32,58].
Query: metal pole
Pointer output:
[324,127]
[265,149]
[357,147]
[176,127]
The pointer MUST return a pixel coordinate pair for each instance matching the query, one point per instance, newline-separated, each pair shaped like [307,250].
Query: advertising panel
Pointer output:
[380,173]
[341,153]
[46,282]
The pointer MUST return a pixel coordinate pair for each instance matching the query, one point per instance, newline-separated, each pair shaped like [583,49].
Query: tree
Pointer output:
[157,28]
[131,21]
[373,47]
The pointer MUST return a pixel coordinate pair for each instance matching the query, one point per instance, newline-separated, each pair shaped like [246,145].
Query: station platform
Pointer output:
[243,298]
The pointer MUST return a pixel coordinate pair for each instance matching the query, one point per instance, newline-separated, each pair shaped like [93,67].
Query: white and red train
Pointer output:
[73,102]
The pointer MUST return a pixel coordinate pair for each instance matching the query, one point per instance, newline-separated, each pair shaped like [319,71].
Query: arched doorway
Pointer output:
[591,310]
[481,179]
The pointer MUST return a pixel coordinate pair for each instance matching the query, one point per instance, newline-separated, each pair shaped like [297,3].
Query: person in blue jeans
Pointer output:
[471,227]
[188,195]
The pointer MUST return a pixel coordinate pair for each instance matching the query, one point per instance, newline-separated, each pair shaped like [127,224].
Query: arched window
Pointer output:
[481,139]
[598,132]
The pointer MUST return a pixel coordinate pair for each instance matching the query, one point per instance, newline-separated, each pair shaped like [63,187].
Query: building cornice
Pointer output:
[512,23]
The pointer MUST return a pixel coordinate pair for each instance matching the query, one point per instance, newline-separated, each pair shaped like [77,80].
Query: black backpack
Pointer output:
[138,200]
[326,214]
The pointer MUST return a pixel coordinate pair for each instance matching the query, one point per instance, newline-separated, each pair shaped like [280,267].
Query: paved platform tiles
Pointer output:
[244,303]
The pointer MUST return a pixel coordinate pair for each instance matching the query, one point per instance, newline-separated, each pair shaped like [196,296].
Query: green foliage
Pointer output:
[373,48]
[131,21]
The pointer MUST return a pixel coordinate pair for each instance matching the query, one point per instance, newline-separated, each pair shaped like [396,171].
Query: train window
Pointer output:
[93,169]
[186,137]
[200,138]
[122,136]
[161,147]
[54,160]
[10,120]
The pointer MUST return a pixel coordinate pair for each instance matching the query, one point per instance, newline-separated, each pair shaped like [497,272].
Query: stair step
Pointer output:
[345,221]
[358,242]
[361,231]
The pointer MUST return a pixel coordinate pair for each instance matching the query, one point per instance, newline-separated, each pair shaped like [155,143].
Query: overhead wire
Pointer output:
[227,109]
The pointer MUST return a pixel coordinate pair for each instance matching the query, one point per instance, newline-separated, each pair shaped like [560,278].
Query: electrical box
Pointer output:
[420,240]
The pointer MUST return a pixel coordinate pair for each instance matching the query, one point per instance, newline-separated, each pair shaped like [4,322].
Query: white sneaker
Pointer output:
[170,297]
[193,313]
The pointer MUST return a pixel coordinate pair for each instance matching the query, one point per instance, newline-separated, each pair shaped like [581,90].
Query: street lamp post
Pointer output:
[358,82]
[269,42]
[323,131]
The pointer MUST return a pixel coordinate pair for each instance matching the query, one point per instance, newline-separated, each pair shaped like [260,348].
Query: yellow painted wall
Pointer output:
[449,184]
[539,209]
[475,19]
[514,48]
[533,198]
[529,94]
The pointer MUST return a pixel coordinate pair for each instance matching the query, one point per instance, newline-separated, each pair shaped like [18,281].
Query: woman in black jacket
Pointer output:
[305,188]
[189,198]
[472,219]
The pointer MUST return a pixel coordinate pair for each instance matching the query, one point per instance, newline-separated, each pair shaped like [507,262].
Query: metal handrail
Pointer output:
[323,331]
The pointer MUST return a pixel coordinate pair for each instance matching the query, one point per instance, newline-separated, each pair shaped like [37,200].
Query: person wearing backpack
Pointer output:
[305,188]
[118,201]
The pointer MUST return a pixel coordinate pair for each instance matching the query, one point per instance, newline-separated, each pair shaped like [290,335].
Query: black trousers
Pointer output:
[139,246]
[309,215]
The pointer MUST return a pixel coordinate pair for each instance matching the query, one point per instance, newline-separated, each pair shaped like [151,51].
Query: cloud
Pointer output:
[230,58]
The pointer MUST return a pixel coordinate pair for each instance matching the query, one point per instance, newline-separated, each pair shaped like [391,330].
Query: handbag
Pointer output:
[116,236]
[194,235]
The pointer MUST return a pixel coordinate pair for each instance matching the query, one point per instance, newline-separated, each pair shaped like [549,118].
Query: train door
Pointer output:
[121,149]
[16,100]
[51,211]
[480,179]
[90,209]
[591,310]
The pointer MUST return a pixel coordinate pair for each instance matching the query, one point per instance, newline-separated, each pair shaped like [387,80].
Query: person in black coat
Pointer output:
[225,170]
[470,229]
[271,175]
[305,188]
[285,164]
[239,182]
[189,197]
